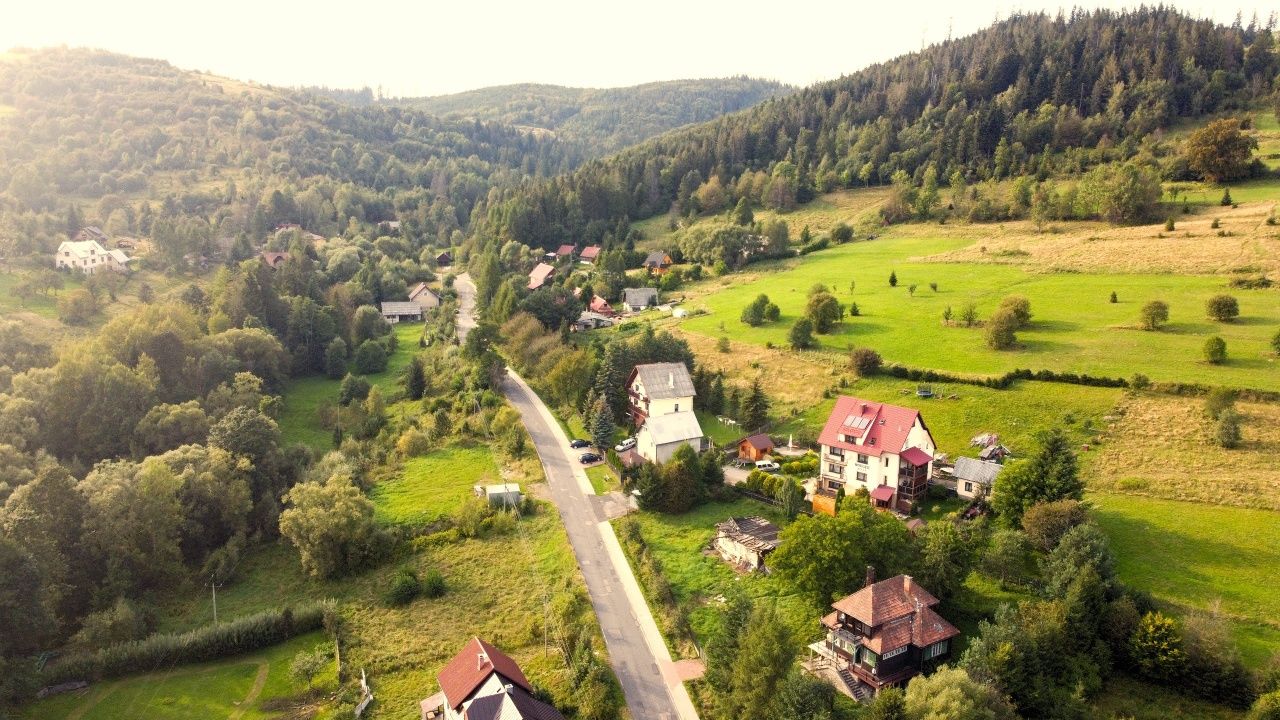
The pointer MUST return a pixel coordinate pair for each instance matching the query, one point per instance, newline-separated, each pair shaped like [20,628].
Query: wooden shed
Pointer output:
[755,447]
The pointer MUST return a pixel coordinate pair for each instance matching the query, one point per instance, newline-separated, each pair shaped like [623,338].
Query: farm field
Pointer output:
[239,688]
[1074,327]
[303,397]
[433,485]
[1192,555]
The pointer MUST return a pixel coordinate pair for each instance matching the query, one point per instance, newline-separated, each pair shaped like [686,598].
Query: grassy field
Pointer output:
[1134,700]
[303,397]
[1074,327]
[236,688]
[434,485]
[1194,555]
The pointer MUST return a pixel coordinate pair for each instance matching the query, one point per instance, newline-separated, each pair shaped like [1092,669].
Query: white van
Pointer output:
[768,466]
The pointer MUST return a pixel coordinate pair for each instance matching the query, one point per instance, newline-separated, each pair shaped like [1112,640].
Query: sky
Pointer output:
[431,47]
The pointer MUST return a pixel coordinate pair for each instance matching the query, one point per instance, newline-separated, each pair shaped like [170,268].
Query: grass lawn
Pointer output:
[602,479]
[1074,327]
[434,485]
[1193,555]
[1135,700]
[209,690]
[720,433]
[699,581]
[40,304]
[303,397]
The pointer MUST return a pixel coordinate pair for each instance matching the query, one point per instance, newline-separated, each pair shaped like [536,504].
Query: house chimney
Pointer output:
[871,576]
[482,659]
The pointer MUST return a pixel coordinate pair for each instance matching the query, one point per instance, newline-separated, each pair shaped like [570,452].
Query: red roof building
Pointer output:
[564,251]
[885,634]
[885,449]
[483,683]
[602,306]
[589,253]
[539,275]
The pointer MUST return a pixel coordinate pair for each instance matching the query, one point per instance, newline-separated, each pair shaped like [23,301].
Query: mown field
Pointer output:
[434,485]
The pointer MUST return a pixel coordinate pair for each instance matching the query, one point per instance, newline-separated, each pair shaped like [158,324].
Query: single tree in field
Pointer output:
[1154,315]
[1219,151]
[331,523]
[865,361]
[1228,430]
[893,278]
[1222,308]
[1215,350]
[969,314]
[801,335]
[1001,331]
[1021,309]
[824,311]
[1114,298]
[415,379]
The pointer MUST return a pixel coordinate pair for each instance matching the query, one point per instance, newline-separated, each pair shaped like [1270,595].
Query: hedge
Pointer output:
[211,642]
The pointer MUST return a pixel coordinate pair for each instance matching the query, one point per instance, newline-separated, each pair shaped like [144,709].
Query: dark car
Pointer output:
[588,458]
[579,444]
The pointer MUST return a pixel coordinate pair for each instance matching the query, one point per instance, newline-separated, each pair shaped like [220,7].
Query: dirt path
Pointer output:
[259,682]
[98,696]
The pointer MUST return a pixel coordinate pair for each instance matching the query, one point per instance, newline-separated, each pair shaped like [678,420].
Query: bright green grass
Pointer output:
[209,690]
[1259,190]
[602,479]
[1074,327]
[699,581]
[1017,414]
[39,304]
[303,397]
[720,433]
[434,485]
[1193,555]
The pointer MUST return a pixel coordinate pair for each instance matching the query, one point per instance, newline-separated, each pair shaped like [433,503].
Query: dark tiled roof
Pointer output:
[665,380]
[752,532]
[979,471]
[472,666]
[759,441]
[640,296]
[656,258]
[886,600]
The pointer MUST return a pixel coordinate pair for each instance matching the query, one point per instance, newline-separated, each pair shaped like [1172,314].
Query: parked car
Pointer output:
[588,458]
[768,466]
[579,444]
[625,445]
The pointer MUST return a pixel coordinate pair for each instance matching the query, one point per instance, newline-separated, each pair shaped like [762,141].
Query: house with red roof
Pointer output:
[589,254]
[483,683]
[539,275]
[602,306]
[883,448]
[564,251]
[884,635]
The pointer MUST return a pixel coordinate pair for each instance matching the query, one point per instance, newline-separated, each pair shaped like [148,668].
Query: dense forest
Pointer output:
[1034,94]
[601,121]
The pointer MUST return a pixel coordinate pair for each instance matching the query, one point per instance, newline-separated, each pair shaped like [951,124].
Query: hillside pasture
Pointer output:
[434,485]
[1074,327]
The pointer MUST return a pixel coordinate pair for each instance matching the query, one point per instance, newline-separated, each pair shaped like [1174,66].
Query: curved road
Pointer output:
[637,651]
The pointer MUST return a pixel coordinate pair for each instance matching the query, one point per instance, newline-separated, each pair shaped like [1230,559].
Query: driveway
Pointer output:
[650,680]
[466,305]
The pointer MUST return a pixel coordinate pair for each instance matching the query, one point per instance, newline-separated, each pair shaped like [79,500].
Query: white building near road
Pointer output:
[662,435]
[88,257]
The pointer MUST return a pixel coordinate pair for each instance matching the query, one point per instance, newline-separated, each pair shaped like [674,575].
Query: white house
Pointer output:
[884,448]
[424,296]
[88,257]
[975,477]
[482,683]
[659,389]
[662,435]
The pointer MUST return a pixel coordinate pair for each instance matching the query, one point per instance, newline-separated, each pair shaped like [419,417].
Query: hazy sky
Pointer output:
[432,47]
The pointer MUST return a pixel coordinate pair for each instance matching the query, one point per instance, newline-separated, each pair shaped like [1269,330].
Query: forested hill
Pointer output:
[1034,93]
[125,139]
[604,120]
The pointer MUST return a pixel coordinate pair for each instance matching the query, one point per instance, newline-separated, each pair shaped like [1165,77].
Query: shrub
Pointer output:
[1000,333]
[1020,307]
[933,286]
[210,642]
[893,278]
[1168,225]
[1156,648]
[1218,401]
[352,389]
[404,588]
[1154,315]
[1222,308]
[370,358]
[307,664]
[412,443]
[1215,350]
[722,345]
[1215,224]
[433,584]
[865,361]
[1228,430]
[1226,198]
[1114,298]
[801,334]
[1045,523]
[122,622]
[1266,707]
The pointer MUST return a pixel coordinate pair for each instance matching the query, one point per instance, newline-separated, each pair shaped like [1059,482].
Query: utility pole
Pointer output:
[214,587]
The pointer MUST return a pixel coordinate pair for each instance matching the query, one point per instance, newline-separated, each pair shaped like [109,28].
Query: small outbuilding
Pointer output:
[503,495]
[395,312]
[444,259]
[994,453]
[744,542]
[755,447]
[975,477]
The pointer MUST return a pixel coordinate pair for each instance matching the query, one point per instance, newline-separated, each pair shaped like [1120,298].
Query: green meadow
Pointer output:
[433,485]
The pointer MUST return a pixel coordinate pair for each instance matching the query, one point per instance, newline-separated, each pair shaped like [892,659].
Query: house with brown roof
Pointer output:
[589,254]
[601,306]
[444,259]
[483,683]
[273,260]
[539,275]
[657,262]
[424,296]
[564,251]
[884,449]
[884,635]
[744,542]
[755,447]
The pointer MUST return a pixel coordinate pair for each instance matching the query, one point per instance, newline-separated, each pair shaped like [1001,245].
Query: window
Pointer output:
[833,468]
[862,459]
[894,653]
[935,650]
[677,407]
[862,477]
[837,452]
[968,486]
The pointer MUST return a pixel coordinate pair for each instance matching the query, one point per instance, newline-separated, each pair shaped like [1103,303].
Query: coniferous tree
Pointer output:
[755,408]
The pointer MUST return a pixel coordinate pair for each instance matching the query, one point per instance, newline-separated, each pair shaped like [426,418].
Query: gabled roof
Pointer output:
[589,252]
[444,258]
[513,705]
[91,232]
[640,296]
[877,427]
[759,441]
[472,666]
[979,471]
[600,305]
[884,601]
[119,256]
[564,251]
[752,532]
[993,451]
[664,381]
[538,275]
[401,308]
[657,258]
[916,456]
[421,288]
[82,248]
[673,427]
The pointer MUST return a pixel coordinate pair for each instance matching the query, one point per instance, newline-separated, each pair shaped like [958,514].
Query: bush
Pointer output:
[412,443]
[1000,331]
[865,361]
[307,664]
[1215,350]
[1020,307]
[404,588]
[1154,315]
[352,389]
[371,358]
[1156,649]
[1114,298]
[210,642]
[1168,225]
[122,622]
[1219,400]
[1046,523]
[1228,430]
[1215,224]
[433,584]
[1266,707]
[801,334]
[1222,308]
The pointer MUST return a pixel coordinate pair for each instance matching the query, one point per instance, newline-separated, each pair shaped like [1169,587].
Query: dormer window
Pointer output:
[872,441]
